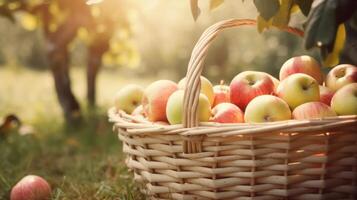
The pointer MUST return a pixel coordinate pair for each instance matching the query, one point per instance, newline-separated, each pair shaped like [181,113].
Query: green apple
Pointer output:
[297,89]
[174,108]
[206,88]
[128,98]
[344,102]
[266,108]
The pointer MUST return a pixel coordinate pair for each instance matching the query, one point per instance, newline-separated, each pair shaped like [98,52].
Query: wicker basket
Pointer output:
[312,159]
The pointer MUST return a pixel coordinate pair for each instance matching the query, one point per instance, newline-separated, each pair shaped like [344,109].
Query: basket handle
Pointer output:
[195,67]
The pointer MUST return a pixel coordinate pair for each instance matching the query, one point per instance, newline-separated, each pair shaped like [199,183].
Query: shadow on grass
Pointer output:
[84,162]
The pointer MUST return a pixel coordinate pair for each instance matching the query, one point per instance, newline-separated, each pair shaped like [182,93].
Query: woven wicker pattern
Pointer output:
[311,159]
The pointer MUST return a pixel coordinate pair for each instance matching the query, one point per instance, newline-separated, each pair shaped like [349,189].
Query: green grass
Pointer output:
[85,162]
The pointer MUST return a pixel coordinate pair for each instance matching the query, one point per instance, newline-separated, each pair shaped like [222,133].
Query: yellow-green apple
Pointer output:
[297,89]
[248,85]
[128,98]
[326,95]
[174,108]
[221,94]
[206,88]
[155,99]
[344,102]
[340,76]
[227,113]
[267,108]
[313,110]
[301,64]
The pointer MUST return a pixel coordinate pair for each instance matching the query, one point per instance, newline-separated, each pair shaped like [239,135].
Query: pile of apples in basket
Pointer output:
[302,92]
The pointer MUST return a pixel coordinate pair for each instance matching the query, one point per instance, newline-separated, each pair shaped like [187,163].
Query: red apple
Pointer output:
[31,187]
[326,95]
[221,94]
[340,76]
[155,99]
[301,64]
[313,110]
[227,113]
[248,85]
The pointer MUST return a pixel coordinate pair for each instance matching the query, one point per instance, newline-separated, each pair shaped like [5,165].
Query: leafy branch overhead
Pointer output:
[324,27]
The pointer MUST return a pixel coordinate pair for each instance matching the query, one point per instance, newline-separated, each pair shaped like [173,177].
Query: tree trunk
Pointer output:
[60,69]
[95,53]
[94,63]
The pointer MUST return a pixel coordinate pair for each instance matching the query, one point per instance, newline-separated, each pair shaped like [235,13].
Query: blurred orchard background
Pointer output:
[62,61]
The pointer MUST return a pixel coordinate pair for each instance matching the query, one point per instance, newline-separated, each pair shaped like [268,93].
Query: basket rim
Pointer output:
[136,125]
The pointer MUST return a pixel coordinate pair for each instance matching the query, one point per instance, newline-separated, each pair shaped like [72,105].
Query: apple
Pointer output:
[340,76]
[297,89]
[248,85]
[128,98]
[344,102]
[275,81]
[221,94]
[301,64]
[267,108]
[326,95]
[174,108]
[206,88]
[227,113]
[313,110]
[155,99]
[31,187]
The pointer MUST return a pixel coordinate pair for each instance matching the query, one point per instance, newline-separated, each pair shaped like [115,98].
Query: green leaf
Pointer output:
[195,10]
[215,3]
[304,5]
[353,21]
[262,24]
[282,18]
[321,26]
[267,8]
[332,58]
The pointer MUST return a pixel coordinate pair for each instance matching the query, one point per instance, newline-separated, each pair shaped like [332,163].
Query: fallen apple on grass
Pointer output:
[344,102]
[31,187]
[267,108]
[227,113]
[298,89]
[313,110]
